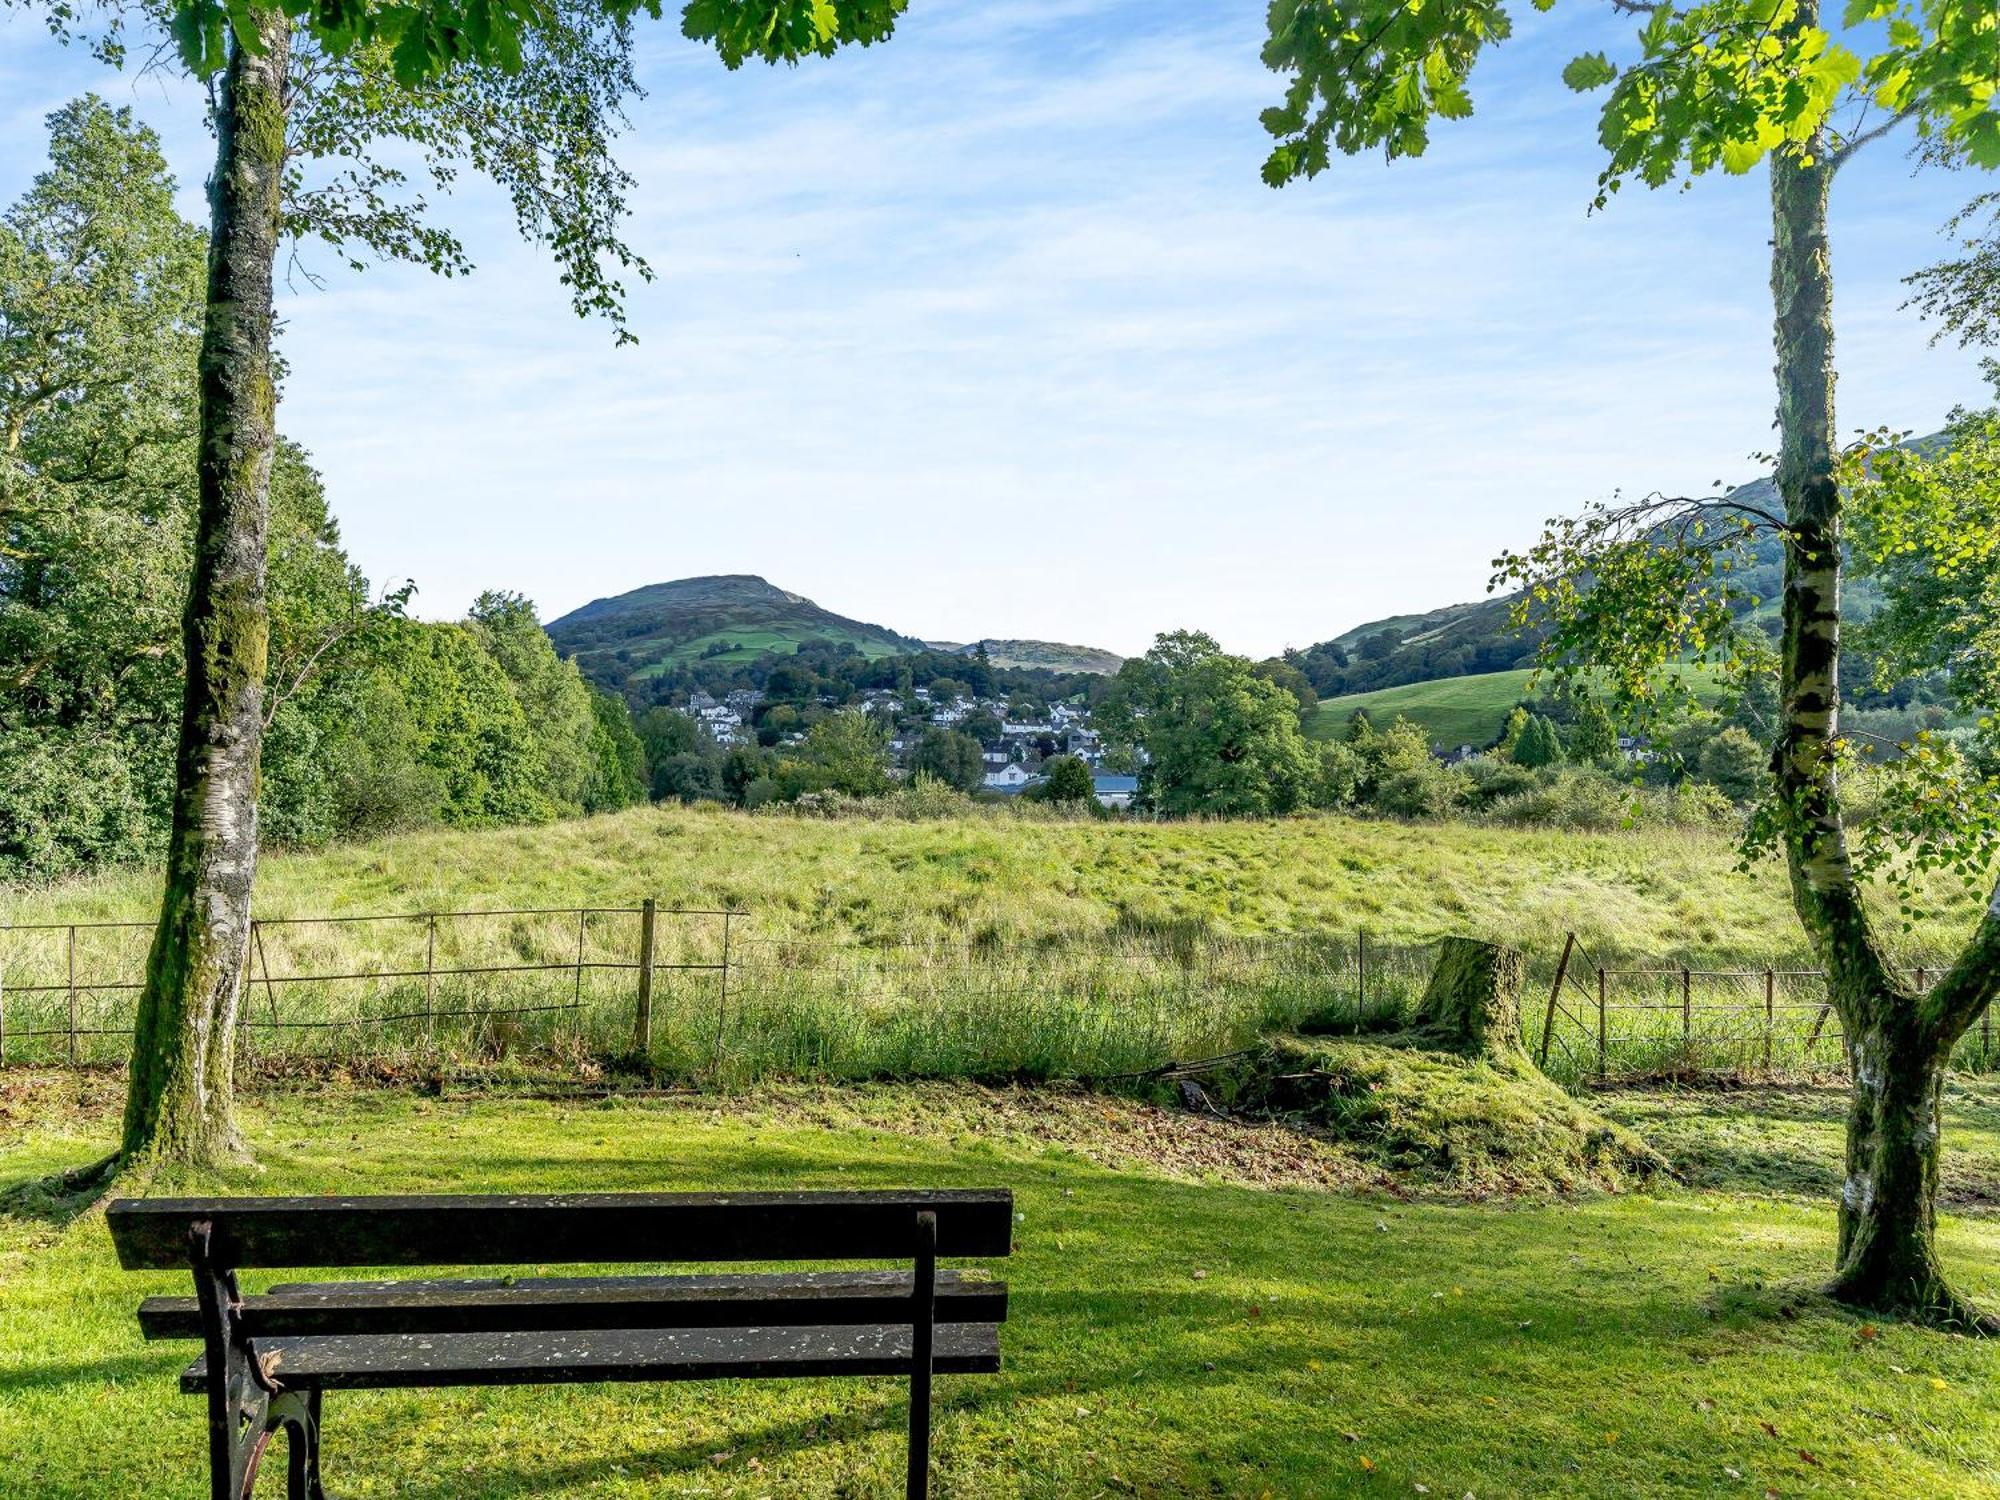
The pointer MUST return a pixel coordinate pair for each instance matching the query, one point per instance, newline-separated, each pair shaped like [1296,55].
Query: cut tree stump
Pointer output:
[1472,1005]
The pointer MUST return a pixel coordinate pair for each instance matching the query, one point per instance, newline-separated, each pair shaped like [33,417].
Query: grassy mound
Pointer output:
[1437,1119]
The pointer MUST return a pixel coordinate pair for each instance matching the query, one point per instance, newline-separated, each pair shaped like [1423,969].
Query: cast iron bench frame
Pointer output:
[268,1357]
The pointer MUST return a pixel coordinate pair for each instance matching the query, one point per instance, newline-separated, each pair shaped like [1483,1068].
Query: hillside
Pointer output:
[1453,711]
[1045,656]
[734,616]
[1479,638]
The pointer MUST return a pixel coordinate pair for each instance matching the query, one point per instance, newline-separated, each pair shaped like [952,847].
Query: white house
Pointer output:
[1012,779]
[1115,792]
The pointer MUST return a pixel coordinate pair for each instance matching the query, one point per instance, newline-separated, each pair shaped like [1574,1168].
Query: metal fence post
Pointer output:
[642,1025]
[1360,976]
[1770,1013]
[72,994]
[244,1058]
[1687,1004]
[1603,1038]
[722,994]
[430,965]
[1555,991]
[3,1019]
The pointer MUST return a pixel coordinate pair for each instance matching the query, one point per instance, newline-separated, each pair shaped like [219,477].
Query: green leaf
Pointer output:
[1590,71]
[1739,156]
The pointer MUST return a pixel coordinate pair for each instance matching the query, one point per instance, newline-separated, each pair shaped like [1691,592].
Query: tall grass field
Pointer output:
[981,947]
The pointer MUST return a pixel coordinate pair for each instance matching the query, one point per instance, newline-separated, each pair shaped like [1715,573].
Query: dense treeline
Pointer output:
[374,720]
[835,673]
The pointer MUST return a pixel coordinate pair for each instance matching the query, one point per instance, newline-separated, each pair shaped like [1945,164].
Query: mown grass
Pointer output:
[1169,1336]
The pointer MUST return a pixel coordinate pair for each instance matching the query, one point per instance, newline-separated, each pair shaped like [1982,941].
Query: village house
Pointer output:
[1115,792]
[1011,778]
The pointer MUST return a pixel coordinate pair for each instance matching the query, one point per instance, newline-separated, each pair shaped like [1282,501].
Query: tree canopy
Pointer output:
[1217,737]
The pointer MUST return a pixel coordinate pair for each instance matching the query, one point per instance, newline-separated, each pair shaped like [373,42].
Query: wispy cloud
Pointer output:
[993,330]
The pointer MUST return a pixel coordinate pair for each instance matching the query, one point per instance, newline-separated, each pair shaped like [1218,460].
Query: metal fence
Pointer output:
[1607,1022]
[69,991]
[700,998]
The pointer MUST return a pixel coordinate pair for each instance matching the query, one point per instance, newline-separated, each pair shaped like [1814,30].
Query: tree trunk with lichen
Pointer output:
[1472,1004]
[179,1104]
[1898,1042]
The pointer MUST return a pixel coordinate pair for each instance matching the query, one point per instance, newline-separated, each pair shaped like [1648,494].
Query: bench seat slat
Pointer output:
[530,1229]
[531,1304]
[381,1362]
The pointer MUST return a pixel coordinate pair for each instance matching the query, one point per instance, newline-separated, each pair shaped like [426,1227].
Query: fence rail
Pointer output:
[1742,1020]
[700,997]
[84,977]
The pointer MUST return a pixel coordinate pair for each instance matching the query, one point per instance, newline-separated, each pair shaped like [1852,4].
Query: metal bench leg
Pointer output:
[298,1412]
[923,1325]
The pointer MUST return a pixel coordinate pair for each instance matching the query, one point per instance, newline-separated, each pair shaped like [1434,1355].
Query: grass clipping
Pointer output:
[1454,1102]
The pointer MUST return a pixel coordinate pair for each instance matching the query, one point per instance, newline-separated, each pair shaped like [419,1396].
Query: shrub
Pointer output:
[1590,801]
[1489,780]
[1069,780]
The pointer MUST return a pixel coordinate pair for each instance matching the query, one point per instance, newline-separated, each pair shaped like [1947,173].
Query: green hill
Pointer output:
[1479,639]
[735,616]
[1045,656]
[1453,710]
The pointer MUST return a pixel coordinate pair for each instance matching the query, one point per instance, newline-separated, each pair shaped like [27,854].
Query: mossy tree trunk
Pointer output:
[1472,1004]
[1898,1042]
[179,1105]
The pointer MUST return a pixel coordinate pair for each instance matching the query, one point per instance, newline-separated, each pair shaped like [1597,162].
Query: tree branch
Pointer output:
[1854,143]
[1972,982]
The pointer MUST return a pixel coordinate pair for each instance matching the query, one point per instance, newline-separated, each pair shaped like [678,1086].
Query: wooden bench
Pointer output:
[269,1357]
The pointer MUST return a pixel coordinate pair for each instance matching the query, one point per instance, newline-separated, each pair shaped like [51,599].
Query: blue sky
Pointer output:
[993,330]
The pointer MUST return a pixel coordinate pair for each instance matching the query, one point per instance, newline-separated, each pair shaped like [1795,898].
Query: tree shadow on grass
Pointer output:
[122,1368]
[60,1198]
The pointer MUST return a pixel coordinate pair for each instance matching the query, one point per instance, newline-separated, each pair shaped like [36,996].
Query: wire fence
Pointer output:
[1606,1022]
[376,984]
[698,995]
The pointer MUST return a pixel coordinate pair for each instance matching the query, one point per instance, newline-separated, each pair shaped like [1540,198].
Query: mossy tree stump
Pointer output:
[1472,1005]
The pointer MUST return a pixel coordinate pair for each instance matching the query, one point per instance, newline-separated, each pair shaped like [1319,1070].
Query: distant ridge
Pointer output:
[622,641]
[734,616]
[1050,656]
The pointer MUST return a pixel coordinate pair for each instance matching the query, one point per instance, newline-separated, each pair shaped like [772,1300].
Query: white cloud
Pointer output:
[992,330]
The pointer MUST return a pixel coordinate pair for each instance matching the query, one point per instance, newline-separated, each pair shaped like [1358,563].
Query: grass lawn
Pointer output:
[1199,1308]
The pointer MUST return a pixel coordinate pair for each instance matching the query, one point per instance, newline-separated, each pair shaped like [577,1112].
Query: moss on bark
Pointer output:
[180,1098]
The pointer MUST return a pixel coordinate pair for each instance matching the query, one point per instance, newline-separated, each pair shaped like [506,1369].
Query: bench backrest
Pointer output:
[576,1229]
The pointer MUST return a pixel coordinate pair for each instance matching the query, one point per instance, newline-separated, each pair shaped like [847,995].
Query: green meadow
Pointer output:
[865,882]
[1198,1308]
